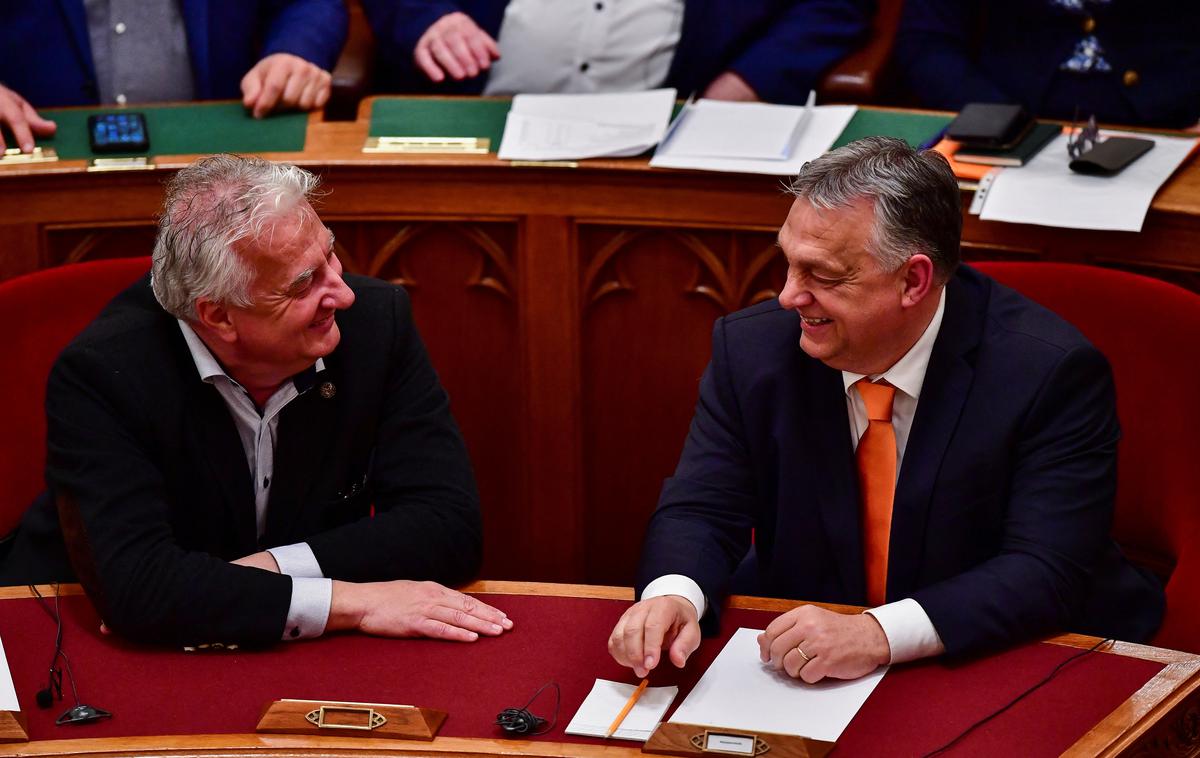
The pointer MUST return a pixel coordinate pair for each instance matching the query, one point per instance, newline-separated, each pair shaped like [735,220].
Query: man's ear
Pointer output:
[918,273]
[215,319]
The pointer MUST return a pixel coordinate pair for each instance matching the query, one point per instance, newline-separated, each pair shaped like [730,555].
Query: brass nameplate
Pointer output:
[14,157]
[456,145]
[136,163]
[544,164]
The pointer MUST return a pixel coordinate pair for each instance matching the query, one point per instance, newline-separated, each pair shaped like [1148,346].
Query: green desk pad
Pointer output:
[424,117]
[198,128]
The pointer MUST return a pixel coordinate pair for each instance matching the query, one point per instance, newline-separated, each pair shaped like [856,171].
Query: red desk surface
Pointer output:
[915,709]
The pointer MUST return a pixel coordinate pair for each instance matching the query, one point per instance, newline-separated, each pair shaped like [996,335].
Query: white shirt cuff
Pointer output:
[677,584]
[909,632]
[309,610]
[297,560]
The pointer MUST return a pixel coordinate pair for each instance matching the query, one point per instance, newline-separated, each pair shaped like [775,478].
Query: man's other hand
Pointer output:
[839,646]
[283,80]
[651,625]
[455,45]
[413,609]
[730,86]
[19,116]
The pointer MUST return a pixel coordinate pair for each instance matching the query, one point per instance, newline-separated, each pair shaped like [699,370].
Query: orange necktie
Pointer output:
[877,483]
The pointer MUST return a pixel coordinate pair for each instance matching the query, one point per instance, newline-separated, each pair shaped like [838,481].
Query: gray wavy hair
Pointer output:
[916,197]
[210,207]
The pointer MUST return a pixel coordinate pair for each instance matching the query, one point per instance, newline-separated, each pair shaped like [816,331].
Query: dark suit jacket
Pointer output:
[780,47]
[1004,500]
[952,52]
[46,56]
[158,496]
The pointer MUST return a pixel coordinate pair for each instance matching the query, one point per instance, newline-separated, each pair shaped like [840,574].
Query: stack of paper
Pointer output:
[740,692]
[1045,191]
[570,127]
[756,138]
[8,693]
[606,700]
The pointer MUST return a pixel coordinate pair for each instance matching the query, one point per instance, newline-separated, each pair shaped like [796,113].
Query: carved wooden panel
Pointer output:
[648,300]
[74,244]
[462,281]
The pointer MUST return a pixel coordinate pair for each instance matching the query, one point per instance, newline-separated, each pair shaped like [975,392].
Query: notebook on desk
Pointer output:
[1018,155]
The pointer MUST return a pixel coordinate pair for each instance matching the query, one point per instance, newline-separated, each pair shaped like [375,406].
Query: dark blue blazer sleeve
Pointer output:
[1057,521]
[702,526]
[933,55]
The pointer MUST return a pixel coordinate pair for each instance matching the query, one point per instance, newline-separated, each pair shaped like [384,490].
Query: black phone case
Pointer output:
[1111,156]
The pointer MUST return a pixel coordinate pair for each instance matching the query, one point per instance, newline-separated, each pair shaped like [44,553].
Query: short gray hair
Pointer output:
[915,194]
[210,207]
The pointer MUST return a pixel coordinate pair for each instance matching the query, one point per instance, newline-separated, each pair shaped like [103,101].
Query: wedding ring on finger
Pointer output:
[802,655]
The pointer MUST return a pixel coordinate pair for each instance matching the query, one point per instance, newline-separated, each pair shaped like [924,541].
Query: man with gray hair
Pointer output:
[896,431]
[249,445]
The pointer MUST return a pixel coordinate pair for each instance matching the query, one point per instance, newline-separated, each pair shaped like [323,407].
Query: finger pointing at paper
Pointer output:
[651,626]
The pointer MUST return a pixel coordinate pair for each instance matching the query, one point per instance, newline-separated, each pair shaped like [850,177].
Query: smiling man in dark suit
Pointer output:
[249,445]
[896,431]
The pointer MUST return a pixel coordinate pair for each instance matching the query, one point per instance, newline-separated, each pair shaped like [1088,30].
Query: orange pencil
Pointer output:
[628,707]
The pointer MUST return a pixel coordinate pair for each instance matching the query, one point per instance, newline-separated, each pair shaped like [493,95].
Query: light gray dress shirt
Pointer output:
[312,593]
[139,51]
[585,45]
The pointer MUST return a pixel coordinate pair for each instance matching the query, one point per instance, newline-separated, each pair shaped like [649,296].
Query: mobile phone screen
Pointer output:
[120,132]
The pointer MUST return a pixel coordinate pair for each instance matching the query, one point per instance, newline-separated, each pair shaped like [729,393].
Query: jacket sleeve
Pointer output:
[315,30]
[110,486]
[702,526]
[794,49]
[427,523]
[1057,521]
[934,59]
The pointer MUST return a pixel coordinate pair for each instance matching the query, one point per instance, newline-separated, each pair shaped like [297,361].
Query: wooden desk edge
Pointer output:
[1154,712]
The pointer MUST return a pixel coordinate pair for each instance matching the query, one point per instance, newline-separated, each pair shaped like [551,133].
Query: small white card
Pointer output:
[8,693]
[606,700]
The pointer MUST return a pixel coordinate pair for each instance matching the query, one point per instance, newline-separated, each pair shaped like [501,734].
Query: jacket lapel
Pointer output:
[947,383]
[226,461]
[832,475]
[76,20]
[195,21]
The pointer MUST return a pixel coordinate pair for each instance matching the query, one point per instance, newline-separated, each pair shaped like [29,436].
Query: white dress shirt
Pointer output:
[585,45]
[910,633]
[312,593]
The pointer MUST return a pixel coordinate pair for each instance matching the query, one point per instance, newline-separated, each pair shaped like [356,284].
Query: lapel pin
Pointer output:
[328,390]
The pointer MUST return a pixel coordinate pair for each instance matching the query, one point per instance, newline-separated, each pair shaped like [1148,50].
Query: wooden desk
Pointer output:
[568,310]
[1159,718]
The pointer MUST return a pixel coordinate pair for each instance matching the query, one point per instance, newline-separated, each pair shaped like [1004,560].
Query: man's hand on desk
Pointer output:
[413,609]
[730,86]
[19,116]
[838,646]
[283,80]
[639,637]
[455,45]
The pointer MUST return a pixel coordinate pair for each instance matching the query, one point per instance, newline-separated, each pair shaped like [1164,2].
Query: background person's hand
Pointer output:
[413,609]
[730,86]
[838,645]
[651,625]
[283,80]
[19,116]
[454,45]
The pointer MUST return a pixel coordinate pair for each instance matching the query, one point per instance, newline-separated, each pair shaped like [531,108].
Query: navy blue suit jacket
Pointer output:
[1004,501]
[780,47]
[952,52]
[46,56]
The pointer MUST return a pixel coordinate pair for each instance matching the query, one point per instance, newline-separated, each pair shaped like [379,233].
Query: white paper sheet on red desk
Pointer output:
[8,693]
[740,692]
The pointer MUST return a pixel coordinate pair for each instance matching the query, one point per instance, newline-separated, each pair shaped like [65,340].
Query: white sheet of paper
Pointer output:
[1048,193]
[606,700]
[8,693]
[822,128]
[739,692]
[718,129]
[570,127]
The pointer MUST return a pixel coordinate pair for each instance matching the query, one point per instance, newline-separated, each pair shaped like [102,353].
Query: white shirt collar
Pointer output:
[908,373]
[206,364]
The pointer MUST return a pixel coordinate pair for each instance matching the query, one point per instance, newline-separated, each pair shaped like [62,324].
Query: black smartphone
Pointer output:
[120,132]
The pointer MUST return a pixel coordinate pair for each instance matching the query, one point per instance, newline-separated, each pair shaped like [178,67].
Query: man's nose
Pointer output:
[794,296]
[340,296]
